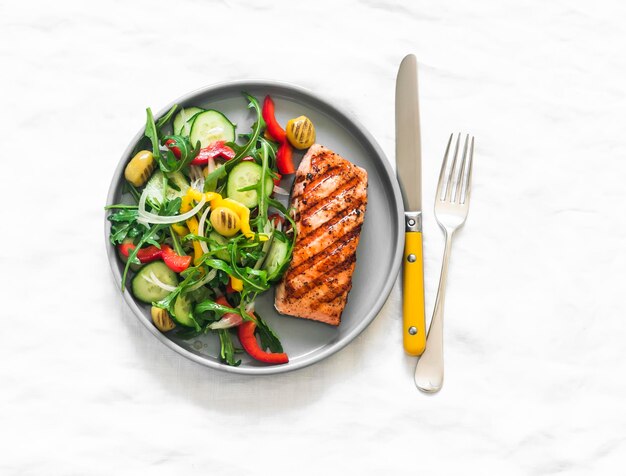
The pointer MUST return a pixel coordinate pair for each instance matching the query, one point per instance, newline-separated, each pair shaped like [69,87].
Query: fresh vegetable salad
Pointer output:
[208,232]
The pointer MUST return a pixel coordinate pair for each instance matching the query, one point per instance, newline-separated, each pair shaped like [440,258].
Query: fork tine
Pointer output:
[443,170]
[459,176]
[452,169]
[468,178]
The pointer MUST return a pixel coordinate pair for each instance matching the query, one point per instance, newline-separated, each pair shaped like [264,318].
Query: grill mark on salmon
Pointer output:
[321,211]
[317,240]
[311,272]
[330,197]
[314,264]
[330,280]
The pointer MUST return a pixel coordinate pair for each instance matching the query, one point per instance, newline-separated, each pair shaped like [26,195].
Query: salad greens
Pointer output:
[215,248]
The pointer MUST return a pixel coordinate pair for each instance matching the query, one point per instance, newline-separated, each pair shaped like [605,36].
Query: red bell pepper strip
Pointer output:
[212,151]
[284,156]
[284,159]
[248,159]
[278,179]
[273,127]
[169,143]
[251,346]
[174,261]
[145,255]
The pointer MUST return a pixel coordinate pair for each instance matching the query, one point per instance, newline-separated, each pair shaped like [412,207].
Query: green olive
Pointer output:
[140,168]
[162,319]
[225,221]
[301,132]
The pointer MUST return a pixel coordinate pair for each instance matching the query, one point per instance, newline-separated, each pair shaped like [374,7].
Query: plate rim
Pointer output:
[385,291]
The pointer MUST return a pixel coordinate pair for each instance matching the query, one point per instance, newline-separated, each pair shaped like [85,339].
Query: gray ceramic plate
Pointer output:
[380,248]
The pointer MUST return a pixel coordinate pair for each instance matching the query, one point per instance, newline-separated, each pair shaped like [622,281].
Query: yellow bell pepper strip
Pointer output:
[236,284]
[192,223]
[194,194]
[181,230]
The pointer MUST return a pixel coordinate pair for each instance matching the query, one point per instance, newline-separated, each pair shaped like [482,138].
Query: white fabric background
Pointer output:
[535,354]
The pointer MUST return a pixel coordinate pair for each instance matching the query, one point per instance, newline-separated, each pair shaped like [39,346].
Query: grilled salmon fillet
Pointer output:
[329,196]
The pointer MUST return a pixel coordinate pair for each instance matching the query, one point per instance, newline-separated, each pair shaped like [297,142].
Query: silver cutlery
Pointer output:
[451,207]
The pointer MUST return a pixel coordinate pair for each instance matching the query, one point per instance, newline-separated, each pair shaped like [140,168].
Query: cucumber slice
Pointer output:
[183,120]
[182,312]
[154,187]
[221,241]
[180,181]
[210,126]
[243,175]
[144,290]
[276,257]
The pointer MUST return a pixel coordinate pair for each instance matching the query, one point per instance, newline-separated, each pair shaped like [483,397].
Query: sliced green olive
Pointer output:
[225,221]
[139,168]
[162,319]
[301,132]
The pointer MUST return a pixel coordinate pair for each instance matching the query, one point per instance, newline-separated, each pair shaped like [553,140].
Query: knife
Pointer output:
[409,164]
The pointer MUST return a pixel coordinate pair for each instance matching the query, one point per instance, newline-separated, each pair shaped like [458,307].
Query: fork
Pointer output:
[451,207]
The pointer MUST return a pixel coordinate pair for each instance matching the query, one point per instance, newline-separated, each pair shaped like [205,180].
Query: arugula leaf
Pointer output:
[152,133]
[259,124]
[175,242]
[211,180]
[166,118]
[269,339]
[234,270]
[171,207]
[263,203]
[124,224]
[168,162]
[212,306]
[227,349]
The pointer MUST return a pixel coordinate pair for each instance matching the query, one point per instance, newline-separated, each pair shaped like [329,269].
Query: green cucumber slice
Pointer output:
[276,257]
[148,292]
[210,126]
[183,120]
[182,312]
[219,241]
[155,186]
[244,175]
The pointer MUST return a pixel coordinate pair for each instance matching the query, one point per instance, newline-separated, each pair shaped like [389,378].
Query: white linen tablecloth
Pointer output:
[534,334]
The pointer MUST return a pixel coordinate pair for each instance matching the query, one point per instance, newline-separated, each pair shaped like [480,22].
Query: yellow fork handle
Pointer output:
[413,319]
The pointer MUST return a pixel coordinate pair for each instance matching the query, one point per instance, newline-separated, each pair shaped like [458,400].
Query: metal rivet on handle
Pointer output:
[411,222]
[411,258]
[412,330]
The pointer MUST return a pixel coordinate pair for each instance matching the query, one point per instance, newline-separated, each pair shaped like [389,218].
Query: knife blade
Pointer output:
[409,164]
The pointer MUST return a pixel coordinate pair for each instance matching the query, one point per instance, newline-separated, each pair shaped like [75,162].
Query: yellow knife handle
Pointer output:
[413,319]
